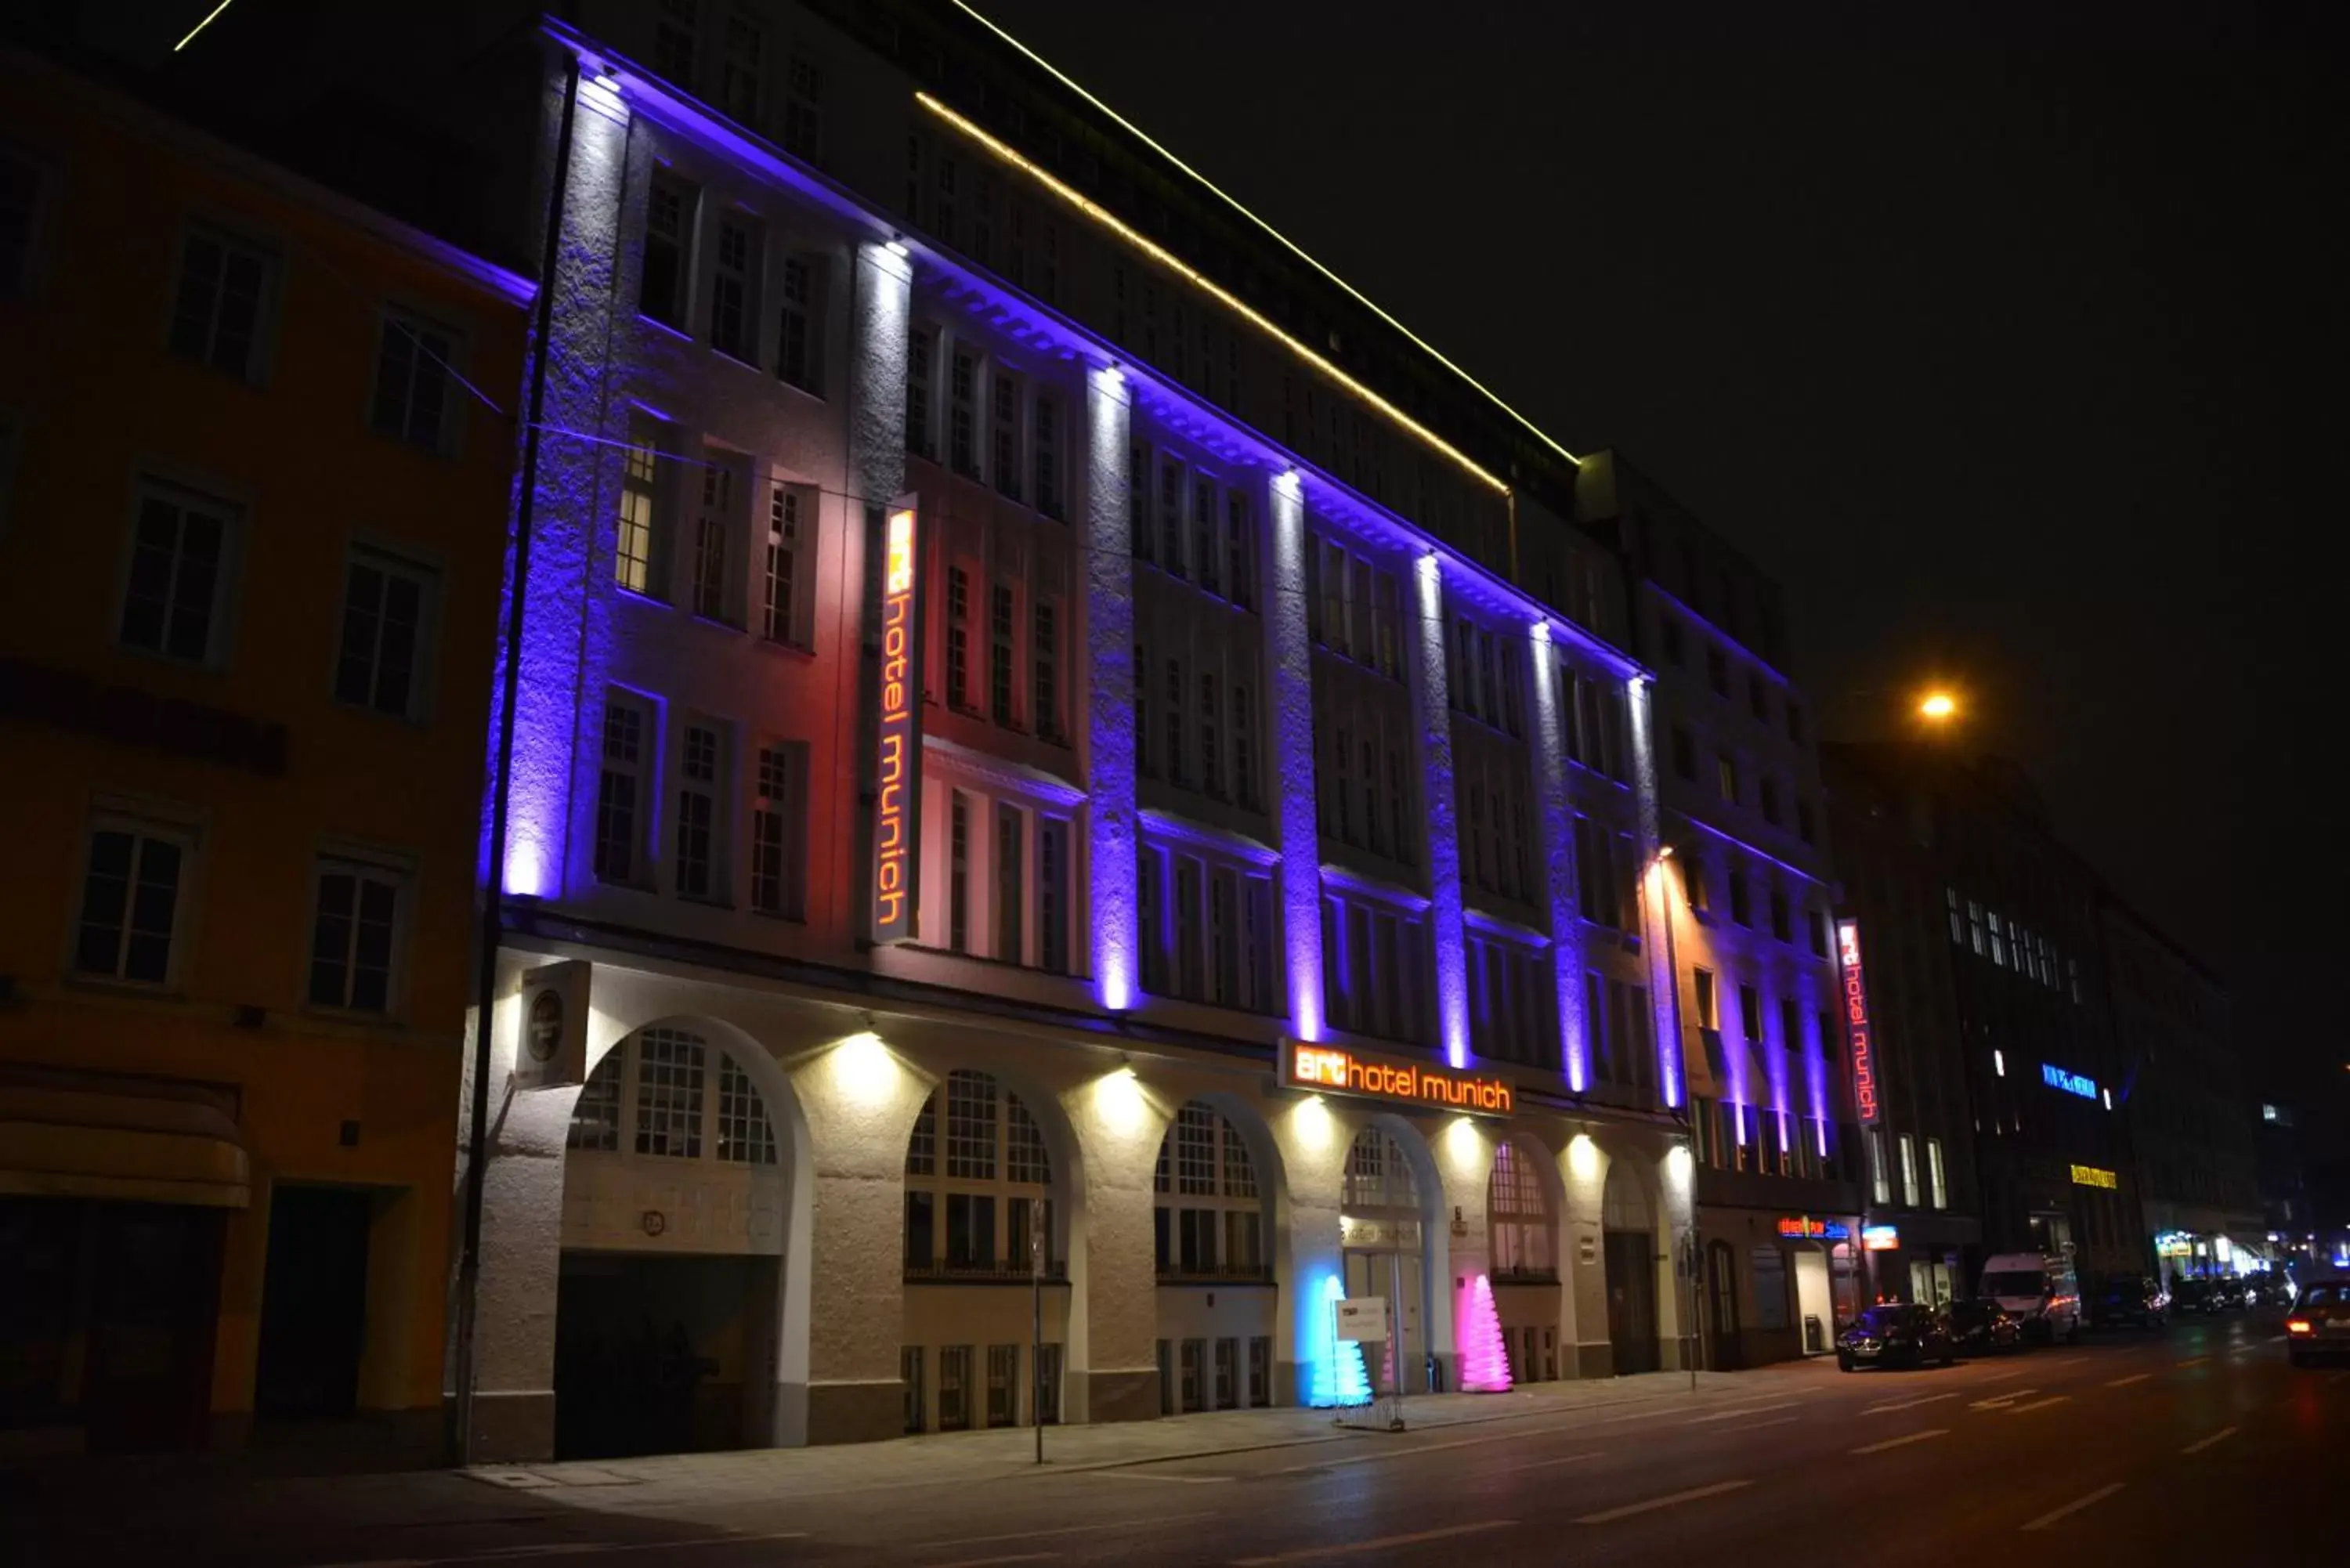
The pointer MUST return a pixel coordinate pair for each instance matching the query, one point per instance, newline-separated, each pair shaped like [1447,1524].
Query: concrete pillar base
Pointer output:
[1595,1360]
[513,1426]
[1122,1396]
[847,1412]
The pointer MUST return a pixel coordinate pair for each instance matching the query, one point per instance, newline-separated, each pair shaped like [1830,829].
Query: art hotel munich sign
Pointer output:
[898,733]
[1407,1086]
[1859,1038]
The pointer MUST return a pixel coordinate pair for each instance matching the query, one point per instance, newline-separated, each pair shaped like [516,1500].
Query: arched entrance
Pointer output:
[1383,1230]
[1213,1238]
[1522,1229]
[1629,1236]
[669,1292]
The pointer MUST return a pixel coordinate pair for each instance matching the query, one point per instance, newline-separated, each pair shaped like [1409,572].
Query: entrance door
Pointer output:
[154,1309]
[313,1303]
[1722,1293]
[1401,1278]
[1632,1300]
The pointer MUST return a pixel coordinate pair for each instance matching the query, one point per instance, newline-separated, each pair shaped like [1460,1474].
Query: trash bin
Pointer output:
[1815,1337]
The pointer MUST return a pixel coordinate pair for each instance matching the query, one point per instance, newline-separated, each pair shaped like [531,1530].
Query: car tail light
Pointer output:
[2299,1325]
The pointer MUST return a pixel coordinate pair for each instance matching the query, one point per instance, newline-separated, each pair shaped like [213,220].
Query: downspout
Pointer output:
[460,1441]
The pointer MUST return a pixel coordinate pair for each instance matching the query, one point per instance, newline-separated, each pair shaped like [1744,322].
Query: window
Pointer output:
[1717,671]
[921,344]
[1750,1013]
[1001,624]
[642,525]
[1684,754]
[1957,929]
[1806,826]
[784,611]
[1880,1179]
[1240,550]
[962,412]
[1694,878]
[1518,1214]
[596,1114]
[1770,793]
[223,304]
[173,599]
[1210,1212]
[1782,922]
[1011,872]
[670,208]
[1702,989]
[619,826]
[669,1070]
[1794,722]
[1726,776]
[385,601]
[995,1165]
[799,333]
[353,928]
[674,41]
[1053,895]
[701,848]
[130,902]
[1002,1384]
[1675,648]
[733,283]
[713,539]
[1044,453]
[738,69]
[1909,1170]
[413,379]
[1758,698]
[1818,923]
[1935,1187]
[804,109]
[1975,927]
[1742,906]
[1045,658]
[779,833]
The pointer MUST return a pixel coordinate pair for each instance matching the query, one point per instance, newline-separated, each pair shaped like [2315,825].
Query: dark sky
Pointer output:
[2013,351]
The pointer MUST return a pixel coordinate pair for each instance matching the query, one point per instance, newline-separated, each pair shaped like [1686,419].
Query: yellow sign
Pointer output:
[2090,1175]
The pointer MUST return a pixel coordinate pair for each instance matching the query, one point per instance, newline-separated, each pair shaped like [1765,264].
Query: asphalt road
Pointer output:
[2195,1444]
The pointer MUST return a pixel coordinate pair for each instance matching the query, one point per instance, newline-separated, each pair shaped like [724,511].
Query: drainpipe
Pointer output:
[460,1441]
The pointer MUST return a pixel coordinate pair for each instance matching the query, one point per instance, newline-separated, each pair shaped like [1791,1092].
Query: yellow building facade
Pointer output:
[250,536]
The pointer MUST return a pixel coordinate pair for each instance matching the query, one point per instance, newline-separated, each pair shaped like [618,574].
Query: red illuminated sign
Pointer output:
[1857,1038]
[1337,1070]
[1804,1228]
[897,774]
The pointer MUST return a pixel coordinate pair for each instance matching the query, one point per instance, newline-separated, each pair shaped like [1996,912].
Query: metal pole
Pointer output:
[1036,1321]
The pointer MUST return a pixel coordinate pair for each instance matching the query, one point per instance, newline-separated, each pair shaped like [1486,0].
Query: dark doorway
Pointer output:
[1632,1301]
[313,1304]
[651,1353]
[1722,1287]
[154,1309]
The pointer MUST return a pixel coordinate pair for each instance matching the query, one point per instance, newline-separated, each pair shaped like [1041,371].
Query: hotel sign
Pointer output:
[2090,1175]
[2056,1077]
[1858,1039]
[1417,1085]
[898,734]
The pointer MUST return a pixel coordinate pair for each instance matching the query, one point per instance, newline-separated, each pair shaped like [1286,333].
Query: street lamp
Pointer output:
[1938,707]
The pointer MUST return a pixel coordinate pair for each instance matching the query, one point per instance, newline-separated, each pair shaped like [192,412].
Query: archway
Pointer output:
[669,1288]
[1522,1208]
[1628,1241]
[1214,1233]
[1385,1231]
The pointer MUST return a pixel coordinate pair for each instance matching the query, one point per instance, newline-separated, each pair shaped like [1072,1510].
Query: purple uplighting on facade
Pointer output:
[1110,637]
[1443,823]
[1292,677]
[1551,721]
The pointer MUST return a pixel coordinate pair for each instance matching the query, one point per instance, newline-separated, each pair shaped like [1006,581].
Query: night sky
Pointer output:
[2013,351]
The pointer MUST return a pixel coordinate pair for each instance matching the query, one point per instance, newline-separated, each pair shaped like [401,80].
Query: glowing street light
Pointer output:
[1939,706]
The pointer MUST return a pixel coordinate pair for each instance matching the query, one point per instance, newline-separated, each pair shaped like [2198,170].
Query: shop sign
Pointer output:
[2071,1083]
[1857,1037]
[897,741]
[2090,1175]
[1879,1238]
[1804,1228]
[1363,1320]
[2174,1244]
[1415,1085]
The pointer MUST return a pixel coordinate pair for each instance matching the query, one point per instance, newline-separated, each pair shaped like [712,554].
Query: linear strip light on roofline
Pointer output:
[1286,242]
[1207,285]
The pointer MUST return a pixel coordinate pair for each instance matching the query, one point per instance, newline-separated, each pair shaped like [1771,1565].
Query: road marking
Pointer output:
[2002,1376]
[1629,1509]
[2075,1506]
[1750,1410]
[1544,1464]
[2276,1339]
[2038,1404]
[1313,1553]
[1130,1474]
[1058,1530]
[1898,1442]
[1906,1403]
[2222,1435]
[2000,1400]
[2133,1377]
[2193,1360]
[1398,1453]
[994,1562]
[567,1549]
[2068,1361]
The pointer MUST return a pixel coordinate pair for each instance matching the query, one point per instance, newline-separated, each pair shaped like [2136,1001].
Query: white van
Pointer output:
[2042,1292]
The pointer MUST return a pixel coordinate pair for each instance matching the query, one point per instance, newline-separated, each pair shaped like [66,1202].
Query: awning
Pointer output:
[133,1144]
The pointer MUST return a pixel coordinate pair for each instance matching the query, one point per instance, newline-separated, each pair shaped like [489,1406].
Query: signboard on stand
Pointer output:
[1362,1320]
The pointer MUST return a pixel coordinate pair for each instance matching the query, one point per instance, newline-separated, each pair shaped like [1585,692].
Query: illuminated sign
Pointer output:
[2071,1083]
[897,741]
[1336,1070]
[1805,1227]
[1855,1024]
[1879,1238]
[2090,1175]
[2174,1244]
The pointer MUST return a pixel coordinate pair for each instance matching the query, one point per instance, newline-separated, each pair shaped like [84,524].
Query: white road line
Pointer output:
[2002,1376]
[567,1549]
[2075,1506]
[995,1562]
[1994,1403]
[2192,1360]
[1403,1453]
[2126,1382]
[1906,1403]
[2276,1339]
[2068,1361]
[1058,1530]
[1314,1553]
[1129,1473]
[1544,1464]
[1900,1442]
[1629,1509]
[2038,1404]
[1750,1410]
[2222,1435]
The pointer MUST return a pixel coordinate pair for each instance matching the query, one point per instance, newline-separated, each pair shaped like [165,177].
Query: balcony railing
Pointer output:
[1216,1274]
[940,1272]
[1525,1274]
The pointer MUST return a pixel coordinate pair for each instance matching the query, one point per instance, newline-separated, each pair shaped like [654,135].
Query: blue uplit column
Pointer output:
[1291,676]
[1550,722]
[1432,691]
[1656,894]
[1109,664]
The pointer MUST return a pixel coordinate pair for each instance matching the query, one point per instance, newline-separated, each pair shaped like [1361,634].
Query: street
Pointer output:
[2197,1442]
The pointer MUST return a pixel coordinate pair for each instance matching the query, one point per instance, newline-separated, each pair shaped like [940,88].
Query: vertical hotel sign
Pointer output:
[898,733]
[1858,1037]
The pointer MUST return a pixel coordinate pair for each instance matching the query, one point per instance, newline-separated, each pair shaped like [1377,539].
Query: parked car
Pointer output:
[1980,1326]
[2273,1289]
[2319,1324]
[2042,1292]
[2193,1297]
[1896,1336]
[2230,1293]
[2129,1298]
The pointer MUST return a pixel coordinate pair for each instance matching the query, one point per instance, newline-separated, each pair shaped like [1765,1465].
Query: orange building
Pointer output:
[251,541]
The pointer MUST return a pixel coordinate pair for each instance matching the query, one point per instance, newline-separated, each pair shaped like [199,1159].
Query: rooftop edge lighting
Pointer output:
[207,21]
[1286,242]
[1109,220]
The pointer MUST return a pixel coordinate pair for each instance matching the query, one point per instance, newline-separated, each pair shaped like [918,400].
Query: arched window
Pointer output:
[1518,1216]
[967,1206]
[1211,1211]
[651,1095]
[1378,1176]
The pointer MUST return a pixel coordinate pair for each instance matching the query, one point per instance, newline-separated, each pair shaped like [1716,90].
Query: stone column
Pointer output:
[1114,1335]
[1584,1169]
[1554,696]
[1109,736]
[1430,691]
[1311,1143]
[1289,676]
[1659,948]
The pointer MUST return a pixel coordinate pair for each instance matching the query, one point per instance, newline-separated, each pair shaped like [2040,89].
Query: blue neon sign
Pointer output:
[2071,1083]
